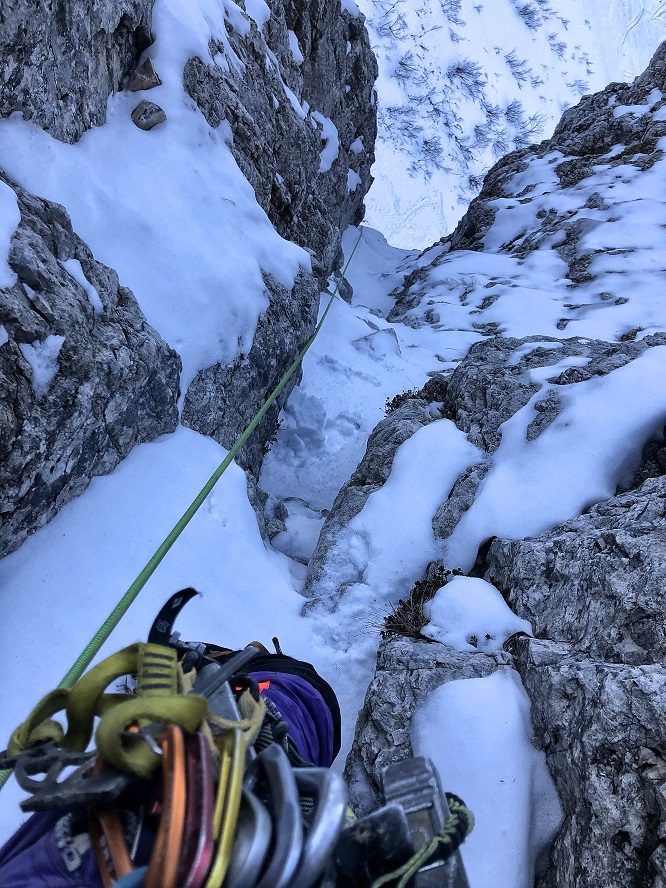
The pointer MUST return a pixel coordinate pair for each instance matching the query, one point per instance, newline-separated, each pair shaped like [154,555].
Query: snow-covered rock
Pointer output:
[82,380]
[274,107]
[59,62]
[553,507]
[408,671]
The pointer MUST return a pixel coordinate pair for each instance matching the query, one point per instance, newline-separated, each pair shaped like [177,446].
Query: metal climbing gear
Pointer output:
[202,768]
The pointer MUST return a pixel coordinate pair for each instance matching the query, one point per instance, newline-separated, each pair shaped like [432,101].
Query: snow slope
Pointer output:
[463,82]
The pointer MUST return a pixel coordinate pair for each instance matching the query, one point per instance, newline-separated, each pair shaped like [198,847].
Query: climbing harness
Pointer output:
[195,782]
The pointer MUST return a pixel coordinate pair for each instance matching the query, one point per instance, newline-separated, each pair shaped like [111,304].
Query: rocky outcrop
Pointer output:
[295,91]
[602,729]
[593,588]
[408,671]
[304,134]
[597,581]
[83,377]
[223,399]
[620,115]
[60,61]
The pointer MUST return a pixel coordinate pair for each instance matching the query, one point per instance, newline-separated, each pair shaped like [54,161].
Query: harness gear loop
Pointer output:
[157,700]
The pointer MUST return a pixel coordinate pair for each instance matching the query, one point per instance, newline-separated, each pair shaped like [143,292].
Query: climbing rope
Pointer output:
[444,844]
[85,657]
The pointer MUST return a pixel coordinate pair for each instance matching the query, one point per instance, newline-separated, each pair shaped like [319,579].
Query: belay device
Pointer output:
[197,782]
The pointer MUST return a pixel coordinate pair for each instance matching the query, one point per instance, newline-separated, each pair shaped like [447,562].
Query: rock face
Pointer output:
[602,728]
[59,61]
[593,588]
[295,91]
[222,400]
[408,670]
[618,551]
[304,134]
[83,377]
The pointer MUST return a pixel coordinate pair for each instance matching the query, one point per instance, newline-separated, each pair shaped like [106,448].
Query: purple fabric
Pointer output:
[43,852]
[307,715]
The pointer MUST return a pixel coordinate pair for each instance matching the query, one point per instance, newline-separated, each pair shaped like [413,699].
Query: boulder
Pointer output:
[83,376]
[593,589]
[596,582]
[148,115]
[60,61]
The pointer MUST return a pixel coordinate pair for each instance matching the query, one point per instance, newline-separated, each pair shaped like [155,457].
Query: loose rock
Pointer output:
[148,115]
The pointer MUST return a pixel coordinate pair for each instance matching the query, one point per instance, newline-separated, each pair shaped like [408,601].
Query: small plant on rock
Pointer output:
[408,617]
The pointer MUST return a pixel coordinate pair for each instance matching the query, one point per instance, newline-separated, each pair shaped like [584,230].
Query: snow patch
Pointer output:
[470,614]
[477,732]
[329,135]
[74,270]
[295,104]
[296,53]
[350,7]
[357,146]
[258,11]
[43,360]
[4,335]
[10,216]
[353,180]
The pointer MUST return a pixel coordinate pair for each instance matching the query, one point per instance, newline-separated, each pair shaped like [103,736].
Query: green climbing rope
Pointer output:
[85,657]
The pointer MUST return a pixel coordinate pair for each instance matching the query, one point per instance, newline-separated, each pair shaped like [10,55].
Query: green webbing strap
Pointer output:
[107,627]
[447,841]
[157,699]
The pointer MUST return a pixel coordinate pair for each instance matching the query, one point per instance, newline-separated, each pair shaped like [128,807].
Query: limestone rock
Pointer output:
[145,77]
[83,377]
[596,582]
[279,129]
[147,115]
[492,382]
[603,731]
[59,62]
[298,104]
[222,400]
[408,670]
